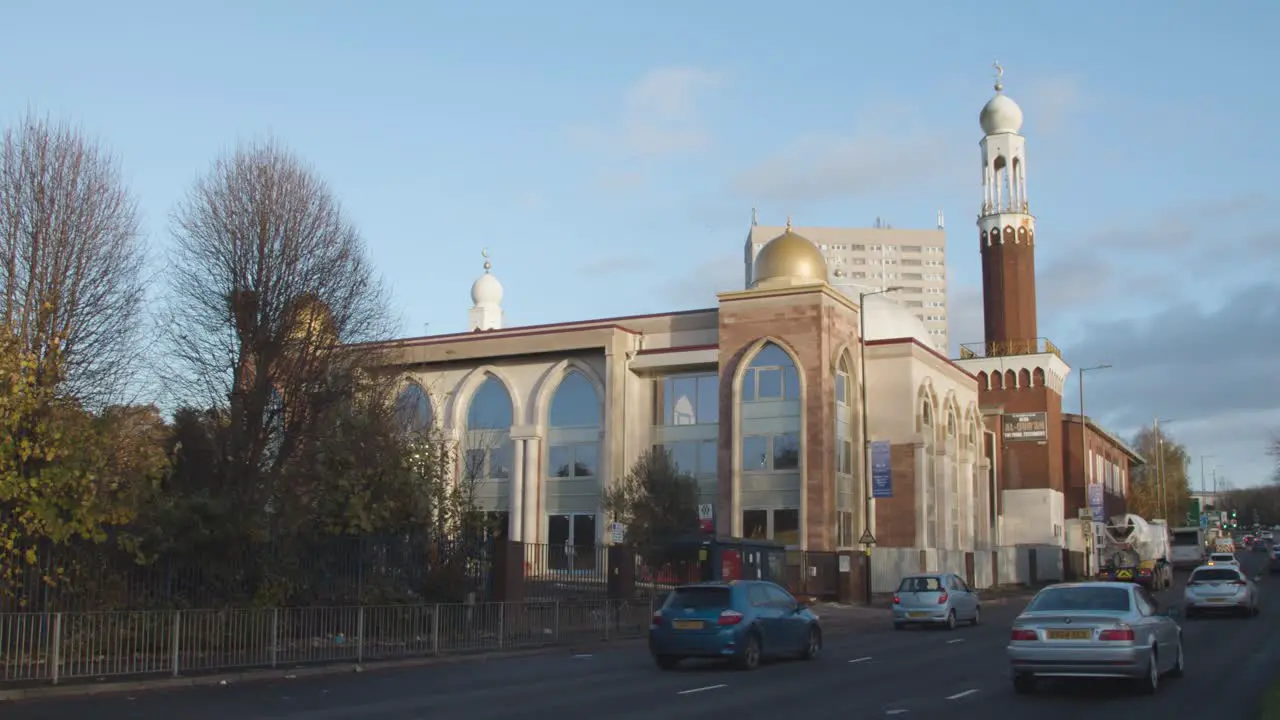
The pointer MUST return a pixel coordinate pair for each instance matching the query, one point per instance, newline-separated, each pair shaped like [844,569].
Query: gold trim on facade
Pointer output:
[1006,348]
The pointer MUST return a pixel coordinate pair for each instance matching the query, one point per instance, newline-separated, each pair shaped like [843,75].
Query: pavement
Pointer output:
[867,671]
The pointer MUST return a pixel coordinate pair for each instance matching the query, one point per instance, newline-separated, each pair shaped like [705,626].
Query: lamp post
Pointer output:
[869,509]
[1163,496]
[1084,452]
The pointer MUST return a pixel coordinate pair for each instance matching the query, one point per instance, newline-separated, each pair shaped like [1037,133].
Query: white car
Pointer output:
[1220,588]
[1221,558]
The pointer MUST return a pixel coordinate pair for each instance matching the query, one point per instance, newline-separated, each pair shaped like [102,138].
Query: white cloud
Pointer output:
[661,115]
[873,160]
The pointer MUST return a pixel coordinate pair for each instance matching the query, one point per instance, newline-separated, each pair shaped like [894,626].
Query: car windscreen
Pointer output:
[1109,599]
[1222,557]
[920,584]
[699,598]
[1213,575]
[1185,539]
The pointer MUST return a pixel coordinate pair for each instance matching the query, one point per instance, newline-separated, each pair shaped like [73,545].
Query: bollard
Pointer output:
[275,636]
[435,630]
[177,629]
[55,660]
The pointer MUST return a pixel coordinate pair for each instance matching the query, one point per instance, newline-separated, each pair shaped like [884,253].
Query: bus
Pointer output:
[1188,547]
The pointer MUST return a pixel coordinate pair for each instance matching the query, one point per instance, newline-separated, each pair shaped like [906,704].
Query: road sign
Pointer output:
[867,538]
[706,515]
[617,533]
[1204,520]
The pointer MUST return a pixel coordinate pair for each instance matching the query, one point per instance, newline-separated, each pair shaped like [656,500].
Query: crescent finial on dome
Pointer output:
[999,75]
[487,265]
[788,223]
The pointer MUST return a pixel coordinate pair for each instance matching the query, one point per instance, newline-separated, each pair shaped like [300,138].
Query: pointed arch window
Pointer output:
[488,440]
[771,376]
[413,408]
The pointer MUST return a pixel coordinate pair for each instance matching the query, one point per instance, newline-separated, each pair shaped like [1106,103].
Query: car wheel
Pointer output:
[951,620]
[1148,684]
[1024,684]
[898,626]
[1254,611]
[666,662]
[813,648]
[749,659]
[977,616]
[1179,662]
[1190,613]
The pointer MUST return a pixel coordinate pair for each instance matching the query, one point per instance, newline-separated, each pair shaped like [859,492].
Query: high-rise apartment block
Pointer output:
[876,258]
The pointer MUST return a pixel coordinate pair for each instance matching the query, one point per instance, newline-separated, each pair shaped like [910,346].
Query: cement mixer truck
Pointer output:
[1136,550]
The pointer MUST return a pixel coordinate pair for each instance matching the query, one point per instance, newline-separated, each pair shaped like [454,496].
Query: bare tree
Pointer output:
[71,256]
[270,294]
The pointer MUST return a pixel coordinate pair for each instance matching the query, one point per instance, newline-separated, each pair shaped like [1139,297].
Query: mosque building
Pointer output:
[761,398]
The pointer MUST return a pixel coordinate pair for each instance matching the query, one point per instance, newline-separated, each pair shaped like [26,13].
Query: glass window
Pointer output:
[584,530]
[708,458]
[844,464]
[755,453]
[559,461]
[769,384]
[771,376]
[490,406]
[698,597]
[1081,597]
[687,400]
[786,451]
[682,401]
[755,524]
[709,399]
[842,387]
[500,462]
[413,408]
[846,529]
[573,461]
[575,403]
[585,460]
[684,455]
[786,526]
[473,464]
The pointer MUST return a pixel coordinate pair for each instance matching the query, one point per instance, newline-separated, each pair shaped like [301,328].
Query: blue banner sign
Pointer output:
[1096,502]
[881,471]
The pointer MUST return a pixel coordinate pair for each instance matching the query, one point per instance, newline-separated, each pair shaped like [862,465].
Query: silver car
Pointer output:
[935,599]
[1095,630]
[1220,588]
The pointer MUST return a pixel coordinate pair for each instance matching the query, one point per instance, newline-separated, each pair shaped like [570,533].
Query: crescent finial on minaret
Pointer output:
[485,254]
[999,75]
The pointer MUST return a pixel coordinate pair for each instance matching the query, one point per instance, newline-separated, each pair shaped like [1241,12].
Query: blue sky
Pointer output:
[609,154]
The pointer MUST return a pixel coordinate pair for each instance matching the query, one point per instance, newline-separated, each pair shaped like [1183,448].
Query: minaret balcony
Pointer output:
[1009,348]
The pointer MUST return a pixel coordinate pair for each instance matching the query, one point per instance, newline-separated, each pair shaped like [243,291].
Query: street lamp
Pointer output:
[1084,453]
[1163,491]
[868,524]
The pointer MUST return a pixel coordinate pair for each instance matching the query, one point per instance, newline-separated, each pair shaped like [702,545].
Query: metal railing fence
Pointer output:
[64,647]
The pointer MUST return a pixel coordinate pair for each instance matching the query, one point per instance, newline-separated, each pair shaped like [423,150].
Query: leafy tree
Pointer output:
[1161,485]
[656,501]
[65,474]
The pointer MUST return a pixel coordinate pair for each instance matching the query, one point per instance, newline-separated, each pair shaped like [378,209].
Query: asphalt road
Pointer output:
[870,673]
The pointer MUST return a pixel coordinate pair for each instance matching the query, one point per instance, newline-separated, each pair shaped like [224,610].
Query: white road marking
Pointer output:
[582,657]
[702,689]
[957,640]
[861,659]
[899,711]
[959,695]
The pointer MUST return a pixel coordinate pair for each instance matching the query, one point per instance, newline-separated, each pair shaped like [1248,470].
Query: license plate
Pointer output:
[687,624]
[1124,575]
[1068,634]
[917,614]
[1216,599]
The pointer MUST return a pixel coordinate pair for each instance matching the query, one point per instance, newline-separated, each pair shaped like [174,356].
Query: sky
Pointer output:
[608,155]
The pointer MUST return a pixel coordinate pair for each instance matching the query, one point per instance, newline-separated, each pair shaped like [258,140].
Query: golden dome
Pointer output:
[312,323]
[787,261]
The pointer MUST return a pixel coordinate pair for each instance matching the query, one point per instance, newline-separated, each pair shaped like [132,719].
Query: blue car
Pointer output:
[741,621]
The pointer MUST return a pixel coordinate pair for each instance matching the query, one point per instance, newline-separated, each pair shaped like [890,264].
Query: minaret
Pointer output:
[1007,230]
[486,299]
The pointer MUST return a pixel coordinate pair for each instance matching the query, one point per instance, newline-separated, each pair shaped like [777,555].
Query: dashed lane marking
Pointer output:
[957,640]
[861,659]
[702,689]
[959,695]
[898,711]
[584,656]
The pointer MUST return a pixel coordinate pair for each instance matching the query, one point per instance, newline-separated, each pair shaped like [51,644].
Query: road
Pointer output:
[871,673]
